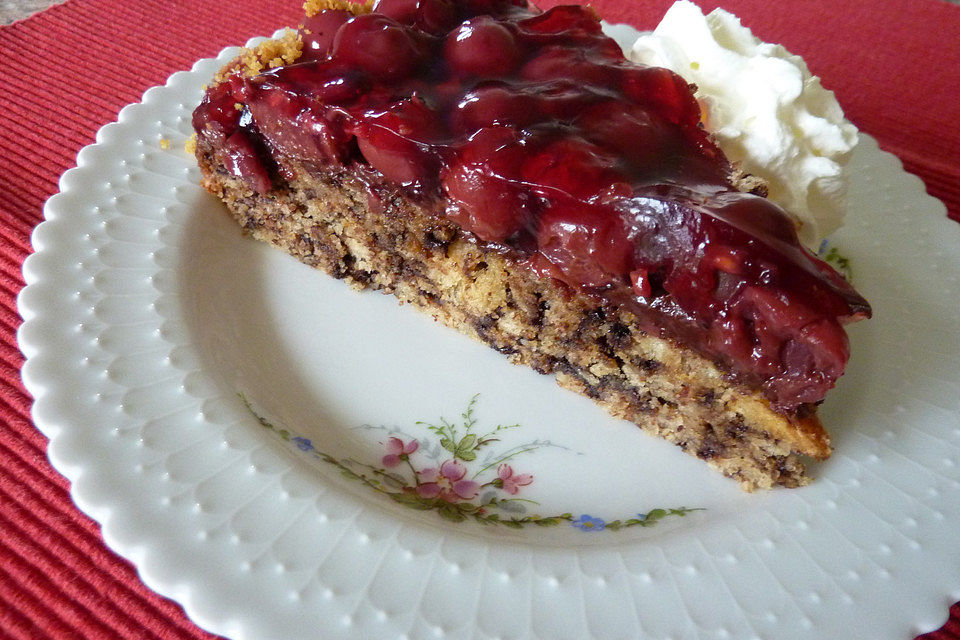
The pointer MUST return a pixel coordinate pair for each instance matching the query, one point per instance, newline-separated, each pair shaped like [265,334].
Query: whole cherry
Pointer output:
[481,46]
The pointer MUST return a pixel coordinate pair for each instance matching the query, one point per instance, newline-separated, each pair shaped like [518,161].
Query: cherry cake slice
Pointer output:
[511,173]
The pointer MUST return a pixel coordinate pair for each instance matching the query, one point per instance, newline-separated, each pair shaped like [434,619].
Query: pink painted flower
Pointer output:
[398,450]
[447,483]
[511,482]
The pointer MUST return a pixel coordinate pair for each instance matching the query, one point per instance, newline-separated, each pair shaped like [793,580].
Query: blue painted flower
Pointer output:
[641,517]
[302,443]
[589,523]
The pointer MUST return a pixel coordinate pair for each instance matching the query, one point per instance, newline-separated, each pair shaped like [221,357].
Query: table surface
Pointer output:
[12,10]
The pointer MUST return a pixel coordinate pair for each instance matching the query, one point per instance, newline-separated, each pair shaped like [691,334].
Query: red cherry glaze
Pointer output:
[483,185]
[378,45]
[560,63]
[640,279]
[217,115]
[639,136]
[240,156]
[436,16]
[483,47]
[490,7]
[493,104]
[572,167]
[663,90]
[396,141]
[403,11]
[588,245]
[299,125]
[318,32]
[531,131]
[564,19]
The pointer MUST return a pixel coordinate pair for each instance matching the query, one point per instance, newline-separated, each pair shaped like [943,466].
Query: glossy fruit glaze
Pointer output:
[532,132]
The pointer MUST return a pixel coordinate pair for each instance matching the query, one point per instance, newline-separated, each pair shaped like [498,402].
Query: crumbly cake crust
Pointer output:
[313,7]
[269,54]
[352,226]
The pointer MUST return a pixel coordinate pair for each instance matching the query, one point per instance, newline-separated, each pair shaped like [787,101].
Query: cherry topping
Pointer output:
[241,158]
[574,167]
[379,45]
[403,11]
[586,243]
[436,16]
[493,104]
[300,126]
[483,187]
[757,216]
[663,90]
[217,115]
[564,19]
[395,142]
[432,16]
[563,63]
[491,7]
[481,46]
[318,32]
[531,131]
[640,279]
[638,135]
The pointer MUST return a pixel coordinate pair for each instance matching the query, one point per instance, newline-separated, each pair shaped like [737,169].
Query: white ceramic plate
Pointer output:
[226,414]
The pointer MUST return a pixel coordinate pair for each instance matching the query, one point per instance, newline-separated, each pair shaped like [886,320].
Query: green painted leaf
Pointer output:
[447,444]
[393,480]
[466,455]
[411,500]
[839,262]
[451,514]
[468,441]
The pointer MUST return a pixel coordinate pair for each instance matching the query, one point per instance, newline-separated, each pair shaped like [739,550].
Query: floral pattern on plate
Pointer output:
[461,487]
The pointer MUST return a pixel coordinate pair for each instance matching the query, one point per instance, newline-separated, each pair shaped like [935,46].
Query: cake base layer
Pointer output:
[373,237]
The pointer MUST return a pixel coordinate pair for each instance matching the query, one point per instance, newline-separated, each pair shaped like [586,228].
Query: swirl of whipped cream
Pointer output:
[764,108]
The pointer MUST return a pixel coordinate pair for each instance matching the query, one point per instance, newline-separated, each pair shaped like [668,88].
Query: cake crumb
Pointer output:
[268,54]
[190,146]
[164,143]
[747,182]
[313,7]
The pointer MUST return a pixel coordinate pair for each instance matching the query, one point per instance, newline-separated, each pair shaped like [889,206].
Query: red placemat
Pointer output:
[66,72]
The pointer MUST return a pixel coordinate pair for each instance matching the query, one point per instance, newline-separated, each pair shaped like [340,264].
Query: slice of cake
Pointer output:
[509,172]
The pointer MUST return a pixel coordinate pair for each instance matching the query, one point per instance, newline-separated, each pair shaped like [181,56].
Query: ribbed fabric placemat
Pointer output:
[67,71]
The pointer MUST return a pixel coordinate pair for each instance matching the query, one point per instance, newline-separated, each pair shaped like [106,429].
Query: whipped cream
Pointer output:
[764,108]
